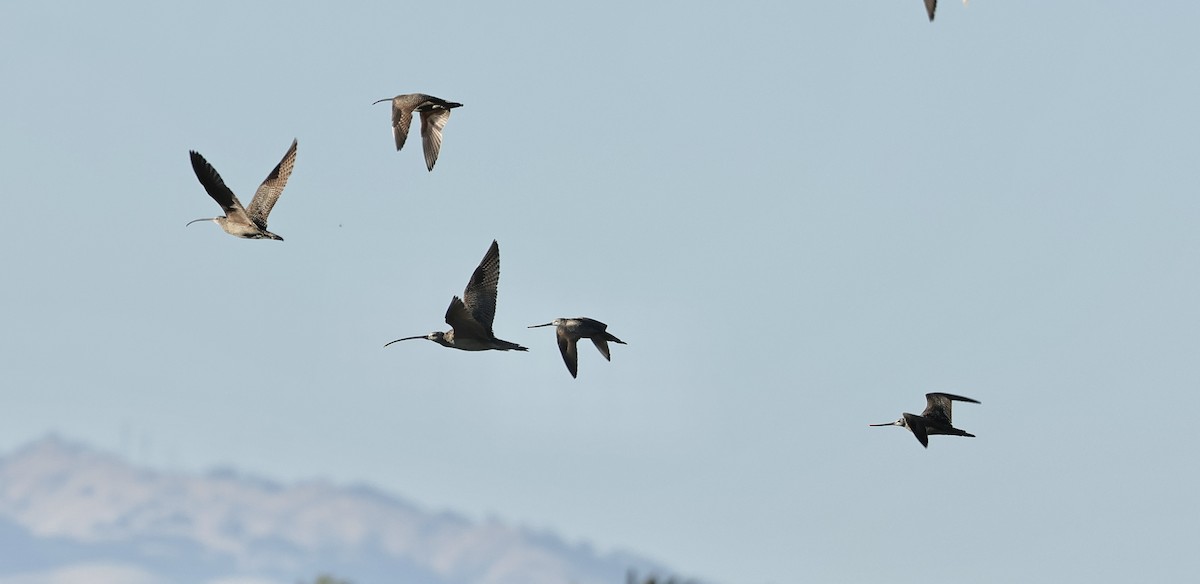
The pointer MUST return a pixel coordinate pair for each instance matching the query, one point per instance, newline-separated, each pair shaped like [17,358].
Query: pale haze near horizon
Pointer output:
[801,217]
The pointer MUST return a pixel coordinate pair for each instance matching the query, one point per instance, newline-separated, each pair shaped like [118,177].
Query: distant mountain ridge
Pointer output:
[71,514]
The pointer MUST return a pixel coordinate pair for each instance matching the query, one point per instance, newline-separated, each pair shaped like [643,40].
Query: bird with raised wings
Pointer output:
[470,317]
[247,223]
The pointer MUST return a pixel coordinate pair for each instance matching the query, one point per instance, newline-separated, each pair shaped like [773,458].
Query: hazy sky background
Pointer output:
[800,216]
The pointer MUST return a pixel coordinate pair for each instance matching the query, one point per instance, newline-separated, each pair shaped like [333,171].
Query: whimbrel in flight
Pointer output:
[934,420]
[470,317]
[238,221]
[570,330]
[434,113]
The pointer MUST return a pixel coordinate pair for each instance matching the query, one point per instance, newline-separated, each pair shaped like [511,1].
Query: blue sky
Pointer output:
[800,216]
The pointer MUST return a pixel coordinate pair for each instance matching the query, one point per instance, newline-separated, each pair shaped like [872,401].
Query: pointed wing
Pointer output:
[401,120]
[270,189]
[917,425]
[216,188]
[465,326]
[930,7]
[939,404]
[566,346]
[432,122]
[602,344]
[480,295]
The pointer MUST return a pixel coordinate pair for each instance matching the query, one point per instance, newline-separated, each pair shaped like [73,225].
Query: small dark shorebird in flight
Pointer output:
[239,221]
[434,113]
[934,420]
[570,330]
[470,317]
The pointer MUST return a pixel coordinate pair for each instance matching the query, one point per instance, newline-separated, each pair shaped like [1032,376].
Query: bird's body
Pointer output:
[570,330]
[934,420]
[238,221]
[434,111]
[471,316]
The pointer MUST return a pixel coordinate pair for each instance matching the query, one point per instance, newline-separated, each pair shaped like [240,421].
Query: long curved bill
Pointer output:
[199,220]
[538,325]
[885,424]
[407,339]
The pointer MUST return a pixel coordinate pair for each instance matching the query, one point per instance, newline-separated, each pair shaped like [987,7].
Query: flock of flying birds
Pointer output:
[470,316]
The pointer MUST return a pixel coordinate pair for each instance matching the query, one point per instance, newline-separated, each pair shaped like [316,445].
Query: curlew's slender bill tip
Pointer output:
[538,325]
[199,220]
[407,339]
[382,100]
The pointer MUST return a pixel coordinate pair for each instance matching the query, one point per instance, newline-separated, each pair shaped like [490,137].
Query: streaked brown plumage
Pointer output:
[251,222]
[434,111]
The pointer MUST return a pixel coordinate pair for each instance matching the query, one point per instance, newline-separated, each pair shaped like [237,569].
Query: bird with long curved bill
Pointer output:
[470,317]
[435,112]
[247,223]
[570,330]
[934,420]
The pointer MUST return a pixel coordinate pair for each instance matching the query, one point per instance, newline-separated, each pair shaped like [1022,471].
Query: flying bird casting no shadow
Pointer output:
[470,317]
[239,221]
[931,7]
[570,330]
[934,420]
[434,113]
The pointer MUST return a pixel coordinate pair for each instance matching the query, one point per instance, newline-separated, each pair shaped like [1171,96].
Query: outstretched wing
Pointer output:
[216,188]
[602,344]
[939,405]
[566,346]
[917,426]
[270,189]
[464,324]
[401,120]
[480,296]
[432,122]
